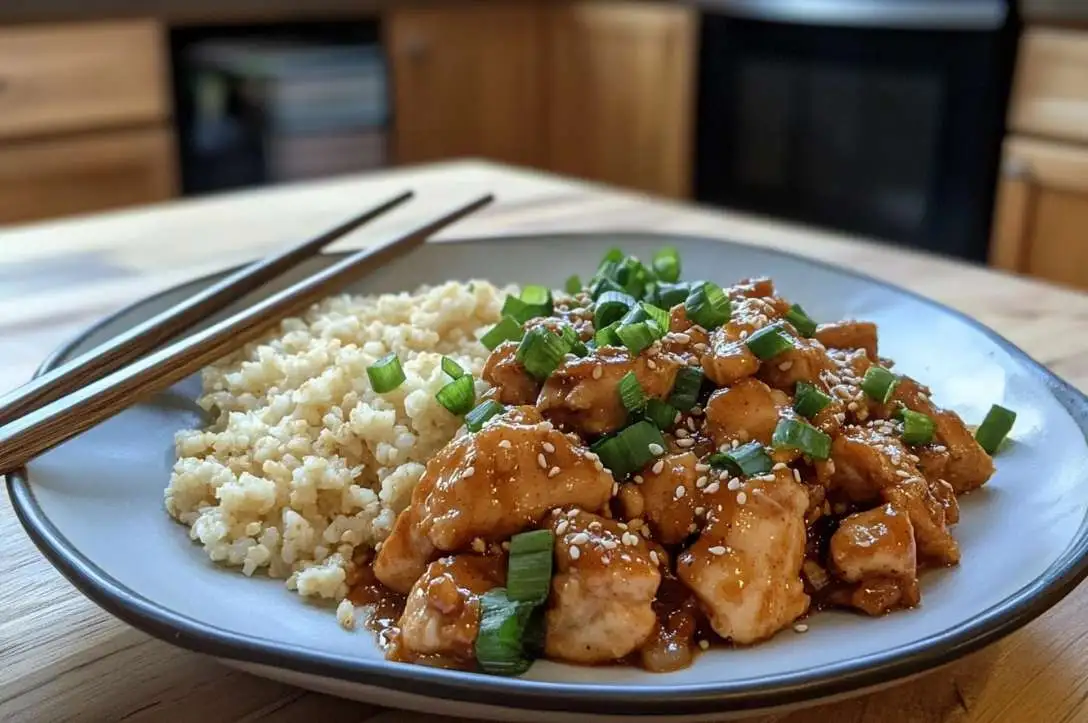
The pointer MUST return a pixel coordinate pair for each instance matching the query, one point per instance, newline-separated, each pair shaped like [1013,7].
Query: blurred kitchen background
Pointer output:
[954,126]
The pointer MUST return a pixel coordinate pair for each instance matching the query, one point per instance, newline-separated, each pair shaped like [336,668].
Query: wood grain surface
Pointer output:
[61,658]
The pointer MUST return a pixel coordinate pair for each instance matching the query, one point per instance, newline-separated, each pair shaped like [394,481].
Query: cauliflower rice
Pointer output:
[306,463]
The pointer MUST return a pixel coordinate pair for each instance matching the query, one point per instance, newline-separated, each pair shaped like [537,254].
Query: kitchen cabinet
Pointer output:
[467,81]
[621,82]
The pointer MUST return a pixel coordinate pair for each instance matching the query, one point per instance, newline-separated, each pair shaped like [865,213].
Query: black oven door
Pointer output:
[889,132]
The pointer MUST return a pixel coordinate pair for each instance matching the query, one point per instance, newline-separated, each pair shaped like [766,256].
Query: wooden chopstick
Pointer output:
[25,438]
[144,337]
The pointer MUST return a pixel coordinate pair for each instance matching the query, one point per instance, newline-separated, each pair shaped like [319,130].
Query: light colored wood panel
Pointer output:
[1050,89]
[1047,163]
[467,81]
[1057,247]
[621,102]
[58,78]
[1012,215]
[109,169]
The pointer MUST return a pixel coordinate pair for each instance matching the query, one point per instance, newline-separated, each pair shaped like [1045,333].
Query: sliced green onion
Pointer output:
[500,643]
[611,306]
[631,393]
[809,401]
[801,321]
[659,316]
[458,396]
[485,410]
[879,383]
[536,295]
[529,569]
[669,295]
[686,388]
[918,428]
[541,351]
[573,285]
[534,301]
[385,374]
[748,460]
[994,428]
[795,434]
[508,329]
[769,342]
[607,335]
[660,413]
[667,264]
[633,277]
[708,306]
[599,286]
[630,449]
[613,255]
[638,336]
[452,368]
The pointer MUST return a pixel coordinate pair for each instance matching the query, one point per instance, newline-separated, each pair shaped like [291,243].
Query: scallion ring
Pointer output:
[385,374]
[529,569]
[686,388]
[747,460]
[666,264]
[801,321]
[879,383]
[918,428]
[459,396]
[500,644]
[631,394]
[769,342]
[808,400]
[708,306]
[795,434]
[508,329]
[452,368]
[485,410]
[994,428]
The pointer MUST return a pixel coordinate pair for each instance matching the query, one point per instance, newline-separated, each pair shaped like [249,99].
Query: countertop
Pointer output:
[64,659]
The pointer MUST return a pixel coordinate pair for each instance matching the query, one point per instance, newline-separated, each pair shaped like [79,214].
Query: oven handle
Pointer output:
[898,14]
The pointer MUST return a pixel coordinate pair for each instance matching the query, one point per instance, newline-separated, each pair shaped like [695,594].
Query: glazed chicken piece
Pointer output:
[728,360]
[442,613]
[805,362]
[849,335]
[745,567]
[583,394]
[671,518]
[927,515]
[875,549]
[601,606]
[760,287]
[510,383]
[749,410]
[490,485]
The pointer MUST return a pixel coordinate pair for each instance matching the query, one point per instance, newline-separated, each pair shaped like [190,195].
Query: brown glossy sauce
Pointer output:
[386,606]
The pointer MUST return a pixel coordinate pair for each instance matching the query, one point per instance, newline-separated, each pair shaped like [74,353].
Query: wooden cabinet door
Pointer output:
[467,81]
[1041,215]
[621,102]
[49,178]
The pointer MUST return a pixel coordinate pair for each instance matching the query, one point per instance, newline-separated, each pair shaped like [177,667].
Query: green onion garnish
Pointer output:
[458,396]
[508,329]
[669,295]
[708,306]
[573,285]
[599,286]
[808,400]
[607,336]
[631,393]
[534,301]
[660,413]
[633,277]
[994,428]
[879,383]
[500,644]
[611,306]
[795,434]
[613,255]
[686,388]
[748,460]
[659,316]
[529,569]
[639,336]
[667,264]
[630,449]
[801,321]
[485,410]
[452,368]
[386,373]
[541,351]
[918,428]
[769,342]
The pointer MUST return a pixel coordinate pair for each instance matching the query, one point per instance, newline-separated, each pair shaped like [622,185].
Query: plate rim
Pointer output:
[760,694]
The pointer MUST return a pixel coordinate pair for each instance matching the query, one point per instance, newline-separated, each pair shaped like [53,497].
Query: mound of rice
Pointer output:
[305,462]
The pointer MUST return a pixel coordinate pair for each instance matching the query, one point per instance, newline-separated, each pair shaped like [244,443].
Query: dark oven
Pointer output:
[875,117]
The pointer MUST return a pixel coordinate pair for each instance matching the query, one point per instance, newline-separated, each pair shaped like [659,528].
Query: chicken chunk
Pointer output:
[490,485]
[583,393]
[442,613]
[927,516]
[745,567]
[728,359]
[510,383]
[601,606]
[849,335]
[671,518]
[876,550]
[747,411]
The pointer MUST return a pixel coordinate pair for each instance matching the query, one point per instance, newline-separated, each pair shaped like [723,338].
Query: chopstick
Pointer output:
[144,337]
[32,434]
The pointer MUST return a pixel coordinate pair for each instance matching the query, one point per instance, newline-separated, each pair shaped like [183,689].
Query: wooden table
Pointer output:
[61,658]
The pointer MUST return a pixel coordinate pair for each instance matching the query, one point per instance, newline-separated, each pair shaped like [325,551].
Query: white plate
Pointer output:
[94,507]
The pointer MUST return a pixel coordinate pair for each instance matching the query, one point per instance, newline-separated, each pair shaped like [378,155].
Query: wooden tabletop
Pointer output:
[61,658]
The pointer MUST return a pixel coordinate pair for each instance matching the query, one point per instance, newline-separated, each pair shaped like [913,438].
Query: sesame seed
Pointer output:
[831,466]
[717,550]
[468,472]
[743,334]
[548,447]
[644,531]
[685,443]
[741,497]
[700,467]
[701,482]
[704,645]
[553,472]
[653,557]
[734,484]
[658,466]
[615,488]
[913,458]
[580,538]
[609,544]
[852,406]
[902,473]
[478,545]
[655,449]
[700,511]
[700,347]
[378,547]
[681,337]
[779,465]
[681,433]
[597,464]
[629,539]
[734,443]
[800,628]
[677,418]
[572,513]
[621,525]
[541,461]
[696,410]
[723,475]
[574,552]
[691,423]
[638,479]
[595,526]
[505,444]
[561,527]
[712,488]
[785,366]
[680,492]
[692,527]
[505,546]
[598,372]
[797,475]
[650,364]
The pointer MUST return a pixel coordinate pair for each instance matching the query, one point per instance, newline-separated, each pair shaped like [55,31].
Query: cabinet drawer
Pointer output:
[108,169]
[1050,90]
[59,78]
